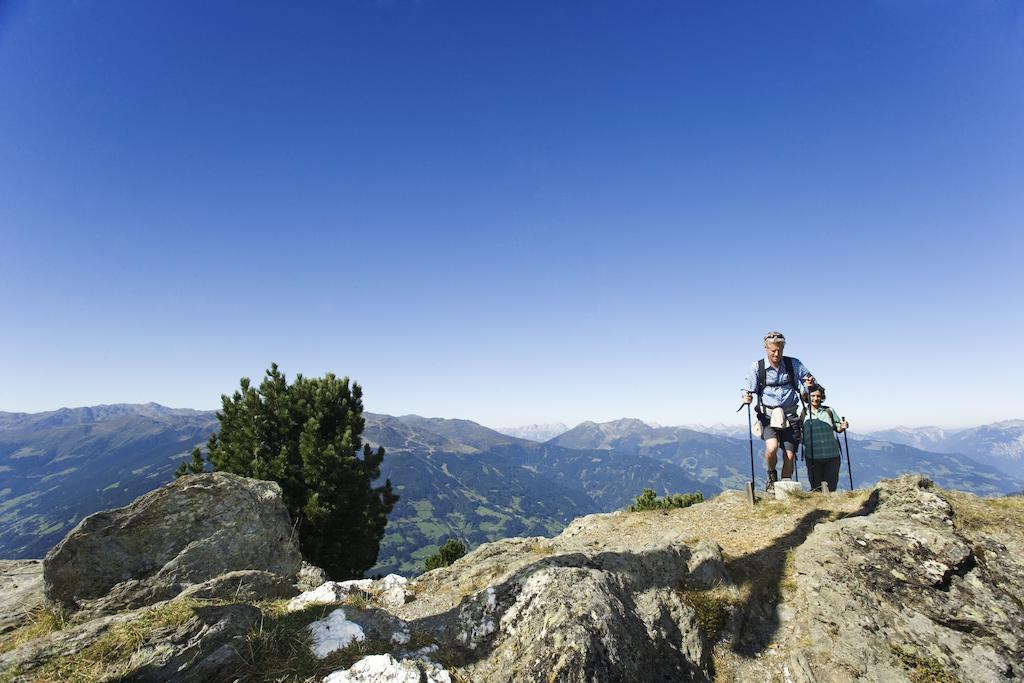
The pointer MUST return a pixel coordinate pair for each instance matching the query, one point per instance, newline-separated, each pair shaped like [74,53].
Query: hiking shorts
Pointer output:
[789,436]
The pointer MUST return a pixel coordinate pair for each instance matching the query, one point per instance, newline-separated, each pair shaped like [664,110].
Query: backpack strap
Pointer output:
[762,376]
[792,373]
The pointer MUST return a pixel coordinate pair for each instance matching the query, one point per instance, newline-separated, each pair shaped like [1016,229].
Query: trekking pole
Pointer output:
[750,434]
[806,434]
[849,468]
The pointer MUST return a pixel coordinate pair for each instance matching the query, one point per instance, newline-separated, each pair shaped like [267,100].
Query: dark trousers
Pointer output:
[820,470]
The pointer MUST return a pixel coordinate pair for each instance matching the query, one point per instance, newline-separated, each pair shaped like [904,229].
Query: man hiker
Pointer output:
[776,381]
[820,427]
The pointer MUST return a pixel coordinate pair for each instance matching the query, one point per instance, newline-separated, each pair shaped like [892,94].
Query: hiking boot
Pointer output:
[773,477]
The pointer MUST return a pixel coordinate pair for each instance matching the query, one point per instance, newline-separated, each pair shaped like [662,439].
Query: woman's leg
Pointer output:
[831,473]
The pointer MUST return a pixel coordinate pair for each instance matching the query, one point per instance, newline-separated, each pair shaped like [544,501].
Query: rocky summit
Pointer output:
[902,582]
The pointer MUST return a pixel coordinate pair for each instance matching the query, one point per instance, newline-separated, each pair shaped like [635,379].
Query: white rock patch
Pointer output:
[472,632]
[386,669]
[392,591]
[333,633]
[324,594]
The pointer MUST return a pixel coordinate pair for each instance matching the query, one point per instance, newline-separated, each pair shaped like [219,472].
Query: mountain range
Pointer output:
[1000,444]
[456,478]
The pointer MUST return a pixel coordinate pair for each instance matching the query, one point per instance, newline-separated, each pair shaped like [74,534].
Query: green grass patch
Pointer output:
[920,668]
[712,611]
[487,512]
[50,528]
[424,508]
[278,648]
[56,475]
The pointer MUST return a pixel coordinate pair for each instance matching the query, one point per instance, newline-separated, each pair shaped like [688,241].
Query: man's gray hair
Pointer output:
[774,338]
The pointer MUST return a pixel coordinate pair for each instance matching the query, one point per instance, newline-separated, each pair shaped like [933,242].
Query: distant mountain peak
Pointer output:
[536,432]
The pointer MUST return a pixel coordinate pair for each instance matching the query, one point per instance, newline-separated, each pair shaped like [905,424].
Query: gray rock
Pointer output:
[35,653]
[900,590]
[310,576]
[584,616]
[784,489]
[206,648]
[187,532]
[243,586]
[707,568]
[21,591]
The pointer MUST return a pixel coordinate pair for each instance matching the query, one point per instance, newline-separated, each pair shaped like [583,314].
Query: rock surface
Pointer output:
[185,533]
[310,576]
[784,489]
[390,591]
[901,583]
[386,669]
[904,588]
[21,584]
[205,646]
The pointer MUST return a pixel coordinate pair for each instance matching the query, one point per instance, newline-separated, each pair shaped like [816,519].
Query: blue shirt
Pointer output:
[775,396]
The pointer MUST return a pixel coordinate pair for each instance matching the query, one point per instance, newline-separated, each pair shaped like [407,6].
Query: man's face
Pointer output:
[774,352]
[816,399]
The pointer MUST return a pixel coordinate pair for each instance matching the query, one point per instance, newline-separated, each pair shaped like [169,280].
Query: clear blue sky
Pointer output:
[514,212]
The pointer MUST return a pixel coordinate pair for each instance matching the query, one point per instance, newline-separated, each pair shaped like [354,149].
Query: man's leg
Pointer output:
[788,460]
[771,453]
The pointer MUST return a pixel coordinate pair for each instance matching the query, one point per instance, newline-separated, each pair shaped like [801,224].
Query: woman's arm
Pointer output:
[840,426]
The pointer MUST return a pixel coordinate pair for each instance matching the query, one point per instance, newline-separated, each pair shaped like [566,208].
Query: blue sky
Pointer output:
[514,212]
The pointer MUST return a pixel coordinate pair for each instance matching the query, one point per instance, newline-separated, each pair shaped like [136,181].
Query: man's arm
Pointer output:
[803,373]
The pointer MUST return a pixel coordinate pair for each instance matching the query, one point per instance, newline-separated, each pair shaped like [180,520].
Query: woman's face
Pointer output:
[816,399]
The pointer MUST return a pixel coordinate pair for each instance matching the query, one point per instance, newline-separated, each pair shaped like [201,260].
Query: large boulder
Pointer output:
[910,592]
[188,532]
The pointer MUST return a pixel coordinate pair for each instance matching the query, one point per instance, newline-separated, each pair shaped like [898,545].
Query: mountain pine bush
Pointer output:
[648,500]
[306,436]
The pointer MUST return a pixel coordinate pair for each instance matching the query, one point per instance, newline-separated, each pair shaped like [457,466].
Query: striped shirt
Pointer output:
[821,425]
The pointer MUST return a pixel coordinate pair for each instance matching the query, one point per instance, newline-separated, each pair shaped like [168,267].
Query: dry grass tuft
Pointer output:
[108,658]
[973,513]
[38,623]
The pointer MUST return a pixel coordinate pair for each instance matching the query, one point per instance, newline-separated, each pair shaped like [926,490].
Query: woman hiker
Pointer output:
[820,426]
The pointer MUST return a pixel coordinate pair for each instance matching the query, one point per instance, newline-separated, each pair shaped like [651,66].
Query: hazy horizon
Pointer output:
[568,424]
